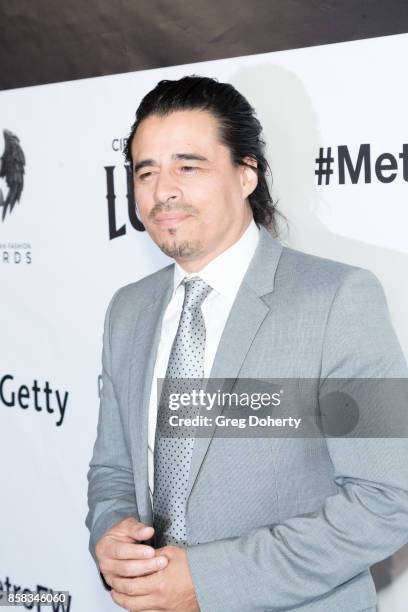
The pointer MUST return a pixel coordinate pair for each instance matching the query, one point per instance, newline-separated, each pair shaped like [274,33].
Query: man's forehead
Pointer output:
[195,128]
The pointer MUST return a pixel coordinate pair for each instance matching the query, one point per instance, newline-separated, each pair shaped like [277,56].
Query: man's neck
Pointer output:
[196,265]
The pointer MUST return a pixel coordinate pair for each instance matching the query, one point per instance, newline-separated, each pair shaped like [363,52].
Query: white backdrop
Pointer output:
[52,309]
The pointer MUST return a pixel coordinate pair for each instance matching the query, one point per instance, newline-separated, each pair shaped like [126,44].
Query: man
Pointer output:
[235,523]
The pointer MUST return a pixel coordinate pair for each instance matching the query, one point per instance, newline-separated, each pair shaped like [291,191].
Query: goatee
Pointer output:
[181,250]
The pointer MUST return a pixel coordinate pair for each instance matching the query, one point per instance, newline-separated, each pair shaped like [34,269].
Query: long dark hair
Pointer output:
[239,129]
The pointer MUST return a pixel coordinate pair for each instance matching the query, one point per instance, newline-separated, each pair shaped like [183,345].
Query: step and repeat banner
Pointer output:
[335,123]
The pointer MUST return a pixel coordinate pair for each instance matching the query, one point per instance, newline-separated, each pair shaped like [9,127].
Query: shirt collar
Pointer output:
[225,272]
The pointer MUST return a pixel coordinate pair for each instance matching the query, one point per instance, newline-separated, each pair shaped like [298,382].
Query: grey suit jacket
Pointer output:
[273,524]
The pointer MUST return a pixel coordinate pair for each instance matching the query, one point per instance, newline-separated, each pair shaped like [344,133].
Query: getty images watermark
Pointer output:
[247,407]
[200,398]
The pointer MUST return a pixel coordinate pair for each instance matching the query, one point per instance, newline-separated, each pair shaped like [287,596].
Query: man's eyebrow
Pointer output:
[190,156]
[177,156]
[143,163]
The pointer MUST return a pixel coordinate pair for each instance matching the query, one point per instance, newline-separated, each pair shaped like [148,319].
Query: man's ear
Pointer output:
[249,175]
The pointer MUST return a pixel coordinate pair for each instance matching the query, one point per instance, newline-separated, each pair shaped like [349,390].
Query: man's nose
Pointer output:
[166,188]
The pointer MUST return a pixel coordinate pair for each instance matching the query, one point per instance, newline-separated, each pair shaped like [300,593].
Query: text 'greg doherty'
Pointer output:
[196,397]
[241,423]
[33,396]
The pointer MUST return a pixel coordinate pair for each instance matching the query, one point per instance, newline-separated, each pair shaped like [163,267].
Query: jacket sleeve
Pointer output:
[111,490]
[282,566]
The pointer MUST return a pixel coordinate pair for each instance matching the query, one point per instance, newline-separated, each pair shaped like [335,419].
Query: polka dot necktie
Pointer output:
[173,449]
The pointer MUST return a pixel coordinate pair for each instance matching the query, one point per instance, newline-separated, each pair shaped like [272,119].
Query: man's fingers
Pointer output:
[142,532]
[123,550]
[144,603]
[143,585]
[131,568]
[133,528]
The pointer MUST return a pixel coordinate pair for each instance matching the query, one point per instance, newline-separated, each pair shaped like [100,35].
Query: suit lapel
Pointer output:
[145,341]
[246,316]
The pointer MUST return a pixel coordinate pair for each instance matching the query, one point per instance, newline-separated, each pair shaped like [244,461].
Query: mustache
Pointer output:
[158,208]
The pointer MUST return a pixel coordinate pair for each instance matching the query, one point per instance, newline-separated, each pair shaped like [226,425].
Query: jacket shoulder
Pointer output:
[316,271]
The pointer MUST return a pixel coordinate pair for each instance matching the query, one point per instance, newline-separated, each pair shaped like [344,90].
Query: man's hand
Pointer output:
[169,589]
[120,553]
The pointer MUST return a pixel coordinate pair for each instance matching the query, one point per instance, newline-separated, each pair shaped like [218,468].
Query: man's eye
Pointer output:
[188,169]
[144,176]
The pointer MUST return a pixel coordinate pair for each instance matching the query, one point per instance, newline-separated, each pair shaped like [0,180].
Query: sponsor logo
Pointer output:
[338,165]
[117,229]
[34,396]
[12,164]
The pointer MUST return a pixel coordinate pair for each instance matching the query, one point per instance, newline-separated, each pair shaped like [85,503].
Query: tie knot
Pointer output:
[196,290]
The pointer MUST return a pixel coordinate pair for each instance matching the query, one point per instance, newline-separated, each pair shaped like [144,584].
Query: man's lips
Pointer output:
[169,219]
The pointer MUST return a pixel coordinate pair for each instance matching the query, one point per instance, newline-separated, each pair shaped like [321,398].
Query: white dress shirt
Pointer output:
[224,274]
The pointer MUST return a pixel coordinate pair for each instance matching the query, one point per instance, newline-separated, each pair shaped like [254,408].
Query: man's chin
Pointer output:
[180,249]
